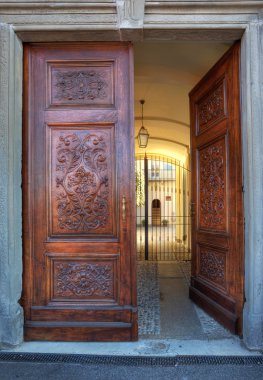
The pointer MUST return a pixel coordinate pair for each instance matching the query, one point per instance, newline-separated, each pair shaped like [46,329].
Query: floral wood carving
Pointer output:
[83,280]
[212,108]
[82,183]
[80,85]
[212,266]
[212,186]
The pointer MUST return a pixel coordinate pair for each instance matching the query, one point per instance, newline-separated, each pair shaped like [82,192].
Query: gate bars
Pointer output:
[163,223]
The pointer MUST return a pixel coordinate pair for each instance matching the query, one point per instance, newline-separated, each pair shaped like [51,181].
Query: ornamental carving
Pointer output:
[212,266]
[83,280]
[212,186]
[80,86]
[212,108]
[81,181]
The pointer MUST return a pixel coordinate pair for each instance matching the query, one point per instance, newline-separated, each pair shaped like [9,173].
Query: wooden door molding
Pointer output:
[79,280]
[217,223]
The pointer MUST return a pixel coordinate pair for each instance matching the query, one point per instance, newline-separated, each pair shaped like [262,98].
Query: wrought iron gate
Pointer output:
[163,221]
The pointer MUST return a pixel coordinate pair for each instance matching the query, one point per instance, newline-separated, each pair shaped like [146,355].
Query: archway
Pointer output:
[202,269]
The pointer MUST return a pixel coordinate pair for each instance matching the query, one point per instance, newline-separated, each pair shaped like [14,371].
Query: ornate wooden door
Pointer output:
[79,255]
[217,211]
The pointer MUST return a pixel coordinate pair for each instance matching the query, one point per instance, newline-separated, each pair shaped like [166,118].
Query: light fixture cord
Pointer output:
[142,103]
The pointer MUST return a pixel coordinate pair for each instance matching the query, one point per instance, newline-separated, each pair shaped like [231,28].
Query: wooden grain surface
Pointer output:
[217,282]
[79,280]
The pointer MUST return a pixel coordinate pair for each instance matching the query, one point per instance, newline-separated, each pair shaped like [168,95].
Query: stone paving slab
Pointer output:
[162,347]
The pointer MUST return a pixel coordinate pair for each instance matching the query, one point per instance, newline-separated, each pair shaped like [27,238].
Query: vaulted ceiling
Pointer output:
[164,75]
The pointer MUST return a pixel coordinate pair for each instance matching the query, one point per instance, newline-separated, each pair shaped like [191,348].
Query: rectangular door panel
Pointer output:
[85,83]
[82,278]
[82,167]
[212,185]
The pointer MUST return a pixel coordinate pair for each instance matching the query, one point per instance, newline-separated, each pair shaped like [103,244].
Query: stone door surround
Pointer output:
[134,20]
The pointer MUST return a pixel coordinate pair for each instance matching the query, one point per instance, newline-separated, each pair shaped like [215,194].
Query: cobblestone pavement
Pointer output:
[155,323]
[148,298]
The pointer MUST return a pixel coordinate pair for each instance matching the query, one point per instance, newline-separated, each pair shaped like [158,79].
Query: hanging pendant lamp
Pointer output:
[143,134]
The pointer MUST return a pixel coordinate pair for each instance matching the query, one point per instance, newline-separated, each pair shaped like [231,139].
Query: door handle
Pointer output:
[123,207]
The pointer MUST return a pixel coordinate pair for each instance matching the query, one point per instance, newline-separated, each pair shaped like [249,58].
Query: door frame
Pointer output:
[10,177]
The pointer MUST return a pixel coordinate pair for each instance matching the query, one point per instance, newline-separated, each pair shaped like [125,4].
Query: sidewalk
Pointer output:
[145,347]
[125,368]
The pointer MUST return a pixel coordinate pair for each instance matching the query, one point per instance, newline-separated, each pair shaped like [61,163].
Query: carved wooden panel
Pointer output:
[217,282]
[82,278]
[77,83]
[212,186]
[212,107]
[212,265]
[82,180]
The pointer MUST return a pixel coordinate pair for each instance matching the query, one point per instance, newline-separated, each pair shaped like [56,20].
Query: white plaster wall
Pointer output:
[164,75]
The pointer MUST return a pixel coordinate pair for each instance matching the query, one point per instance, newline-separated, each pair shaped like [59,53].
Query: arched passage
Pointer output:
[162,212]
